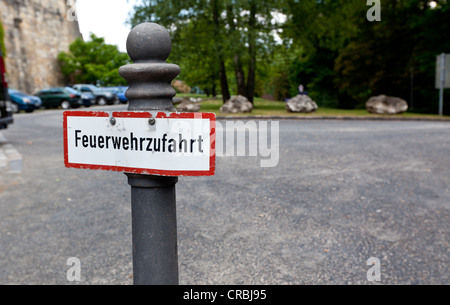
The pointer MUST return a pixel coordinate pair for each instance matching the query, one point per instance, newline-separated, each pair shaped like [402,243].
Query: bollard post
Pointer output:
[153,202]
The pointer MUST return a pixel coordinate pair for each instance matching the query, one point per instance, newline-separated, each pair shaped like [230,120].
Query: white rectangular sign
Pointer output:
[177,144]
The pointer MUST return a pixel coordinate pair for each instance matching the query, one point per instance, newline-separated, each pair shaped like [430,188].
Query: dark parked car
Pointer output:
[88,99]
[5,104]
[119,91]
[23,101]
[63,97]
[101,97]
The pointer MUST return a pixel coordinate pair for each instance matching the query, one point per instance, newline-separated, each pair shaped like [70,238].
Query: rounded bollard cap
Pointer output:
[149,76]
[149,42]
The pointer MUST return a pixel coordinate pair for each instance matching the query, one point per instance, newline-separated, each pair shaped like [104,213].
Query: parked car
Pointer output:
[5,104]
[23,101]
[64,97]
[101,97]
[119,91]
[88,99]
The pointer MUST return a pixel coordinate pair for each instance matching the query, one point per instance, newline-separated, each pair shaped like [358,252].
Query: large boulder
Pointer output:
[383,104]
[301,103]
[186,105]
[177,100]
[237,104]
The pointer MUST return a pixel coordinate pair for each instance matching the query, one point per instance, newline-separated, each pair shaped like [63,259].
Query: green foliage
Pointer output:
[93,62]
[195,39]
[328,46]
[213,39]
[387,56]
[318,31]
[197,55]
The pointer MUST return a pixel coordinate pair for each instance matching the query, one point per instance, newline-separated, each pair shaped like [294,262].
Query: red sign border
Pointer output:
[131,114]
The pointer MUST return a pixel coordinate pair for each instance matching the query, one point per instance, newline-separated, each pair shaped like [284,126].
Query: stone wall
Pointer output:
[35,32]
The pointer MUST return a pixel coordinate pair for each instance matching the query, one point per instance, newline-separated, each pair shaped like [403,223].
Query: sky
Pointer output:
[105,18]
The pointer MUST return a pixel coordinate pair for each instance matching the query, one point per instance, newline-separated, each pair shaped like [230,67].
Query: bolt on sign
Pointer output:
[151,143]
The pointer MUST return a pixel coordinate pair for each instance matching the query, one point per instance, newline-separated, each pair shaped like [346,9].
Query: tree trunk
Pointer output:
[251,80]
[240,76]
[213,90]
[252,52]
[224,82]
[219,49]
[238,67]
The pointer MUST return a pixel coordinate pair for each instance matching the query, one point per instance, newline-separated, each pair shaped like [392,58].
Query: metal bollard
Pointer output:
[153,202]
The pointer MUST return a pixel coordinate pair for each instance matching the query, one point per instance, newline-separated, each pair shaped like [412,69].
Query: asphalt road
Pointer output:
[341,193]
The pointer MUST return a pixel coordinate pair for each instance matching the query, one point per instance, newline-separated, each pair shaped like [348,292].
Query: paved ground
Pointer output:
[343,192]
[10,158]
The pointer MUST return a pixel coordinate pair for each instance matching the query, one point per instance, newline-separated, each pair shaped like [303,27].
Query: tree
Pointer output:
[250,27]
[432,32]
[199,70]
[343,54]
[230,32]
[397,55]
[93,62]
[197,38]
[332,47]
[317,31]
